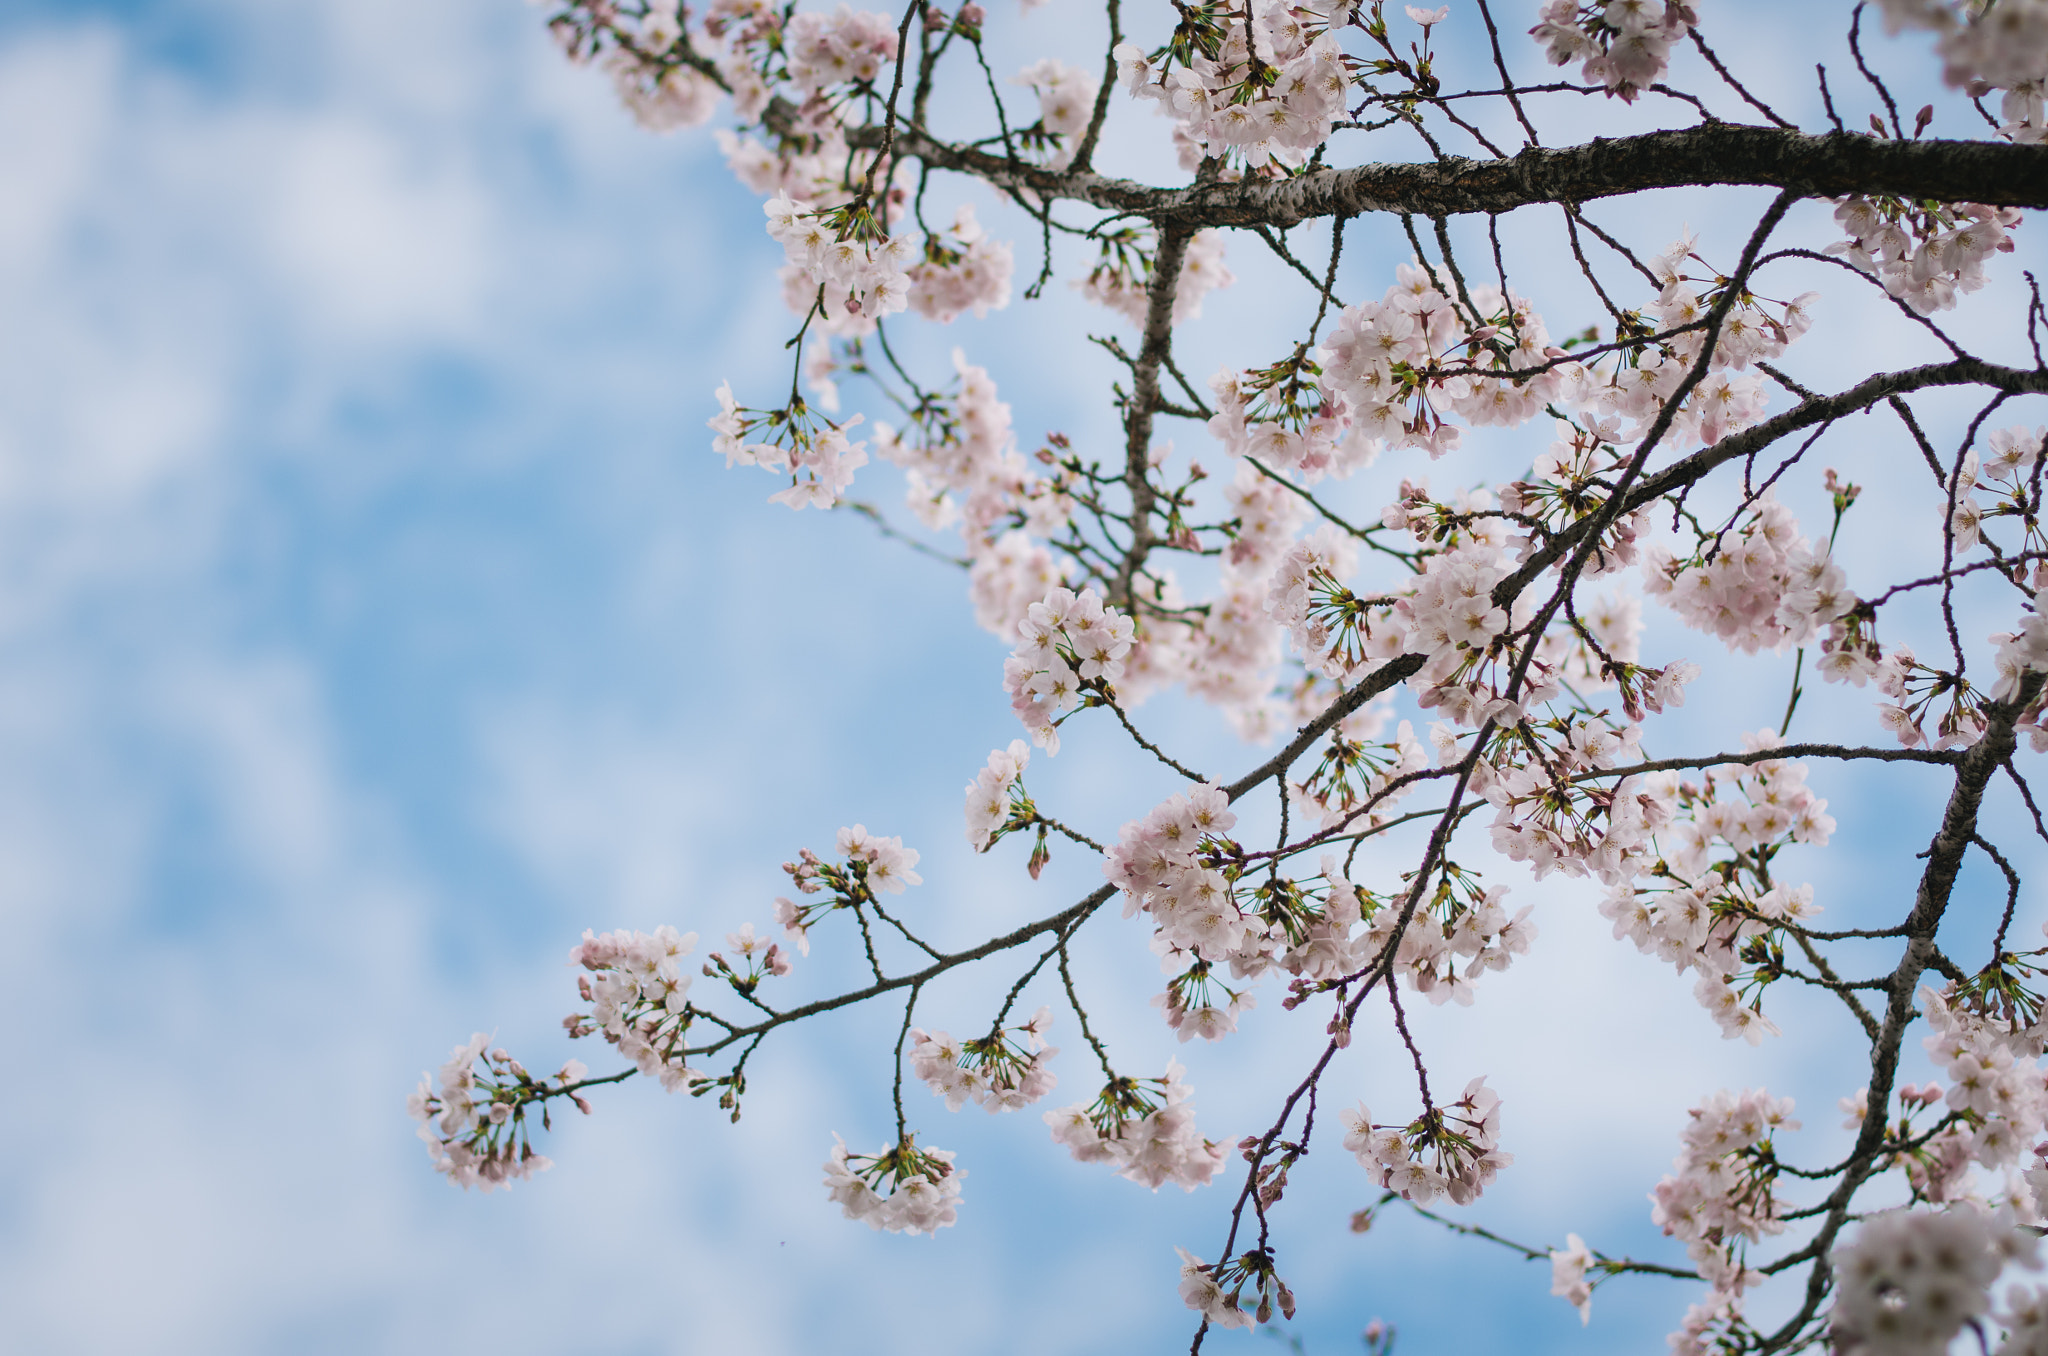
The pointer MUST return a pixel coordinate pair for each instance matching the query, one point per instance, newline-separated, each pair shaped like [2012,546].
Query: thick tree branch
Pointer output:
[1937,882]
[1820,409]
[1713,154]
[1062,922]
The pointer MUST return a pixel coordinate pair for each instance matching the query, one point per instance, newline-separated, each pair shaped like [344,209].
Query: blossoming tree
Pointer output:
[1506,615]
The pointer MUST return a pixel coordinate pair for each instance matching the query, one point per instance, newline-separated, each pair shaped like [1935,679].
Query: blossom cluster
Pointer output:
[664,71]
[1332,629]
[1200,1291]
[1732,397]
[639,996]
[1995,1095]
[1451,618]
[1449,1151]
[1550,811]
[2002,471]
[1357,782]
[871,865]
[817,456]
[834,49]
[1122,278]
[1234,652]
[1762,587]
[473,1115]
[1286,417]
[662,97]
[999,1072]
[996,795]
[1160,865]
[1623,44]
[1066,99]
[1984,47]
[1444,612]
[1568,1268]
[1460,921]
[647,61]
[961,271]
[2020,653]
[1393,368]
[1714,908]
[1568,480]
[1217,1291]
[1145,1129]
[1914,690]
[1381,362]
[1720,1199]
[754,958]
[962,468]
[1177,865]
[1269,94]
[812,168]
[1910,1280]
[842,256]
[1190,1003]
[904,1189]
[1068,642]
[1923,253]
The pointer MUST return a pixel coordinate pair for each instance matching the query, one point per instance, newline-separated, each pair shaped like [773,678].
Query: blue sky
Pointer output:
[374,618]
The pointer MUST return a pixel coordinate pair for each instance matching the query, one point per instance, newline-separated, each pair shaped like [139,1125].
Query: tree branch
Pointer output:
[1831,166]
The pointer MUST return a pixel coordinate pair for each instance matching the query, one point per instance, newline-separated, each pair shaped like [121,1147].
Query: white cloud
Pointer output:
[610,813]
[371,245]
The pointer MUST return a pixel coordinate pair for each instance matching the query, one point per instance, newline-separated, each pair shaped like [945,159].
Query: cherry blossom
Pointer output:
[995,1072]
[1911,1279]
[1069,644]
[1568,1268]
[1448,688]
[1448,1151]
[473,1115]
[1623,44]
[1721,1200]
[1145,1128]
[905,1189]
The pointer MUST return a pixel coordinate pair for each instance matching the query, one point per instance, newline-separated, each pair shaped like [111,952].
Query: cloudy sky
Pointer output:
[374,619]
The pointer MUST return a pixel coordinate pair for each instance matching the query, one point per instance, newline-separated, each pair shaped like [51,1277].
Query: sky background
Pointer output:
[374,618]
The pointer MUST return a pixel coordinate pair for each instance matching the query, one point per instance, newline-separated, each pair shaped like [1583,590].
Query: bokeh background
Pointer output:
[374,618]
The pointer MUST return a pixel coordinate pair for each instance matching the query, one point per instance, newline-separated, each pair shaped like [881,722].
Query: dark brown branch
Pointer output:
[1144,403]
[1821,409]
[1937,882]
[1064,922]
[1830,166]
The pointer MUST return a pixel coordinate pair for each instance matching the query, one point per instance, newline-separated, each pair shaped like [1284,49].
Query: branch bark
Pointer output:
[1714,154]
[1930,901]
